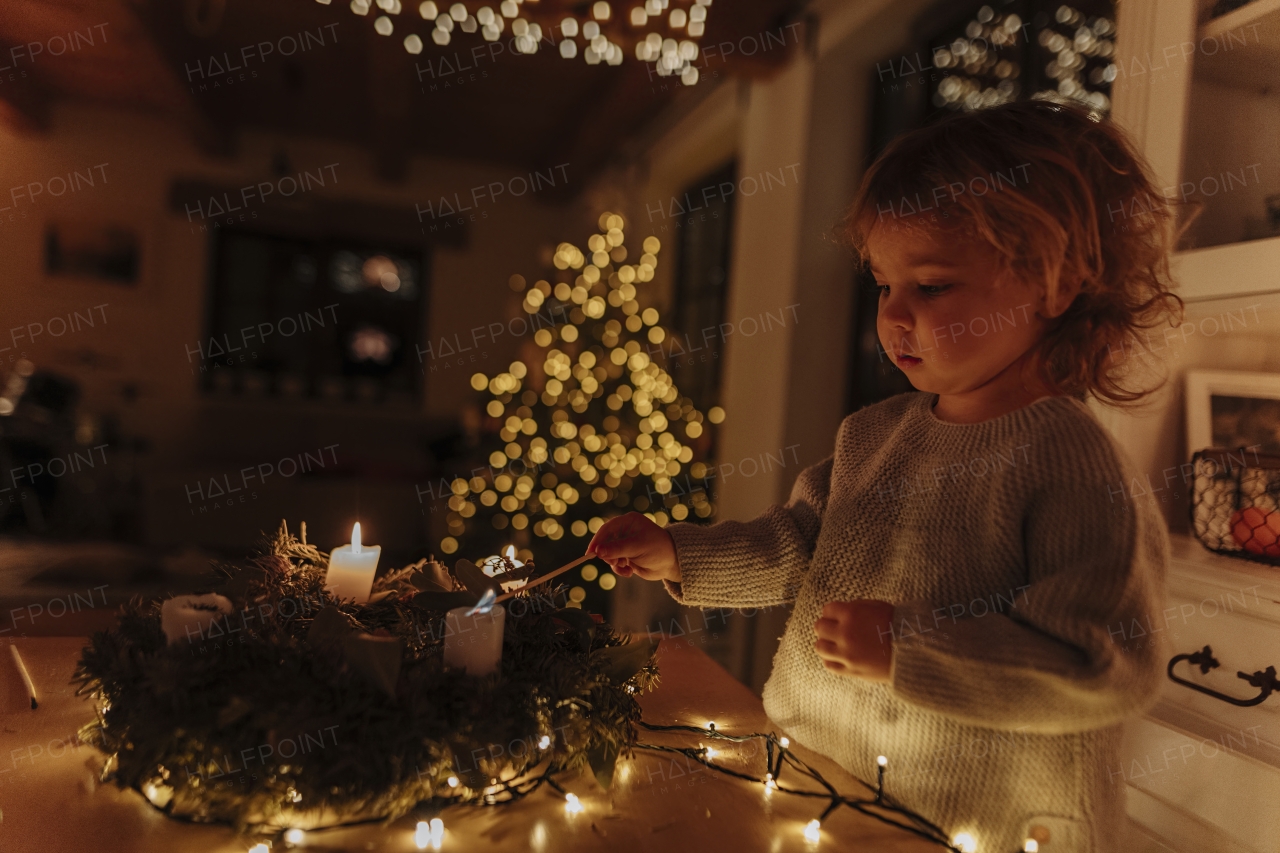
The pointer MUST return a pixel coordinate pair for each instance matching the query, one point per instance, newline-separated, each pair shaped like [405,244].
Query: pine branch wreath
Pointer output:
[280,716]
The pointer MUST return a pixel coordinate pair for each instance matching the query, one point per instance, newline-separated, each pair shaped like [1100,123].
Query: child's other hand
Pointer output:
[632,544]
[856,638]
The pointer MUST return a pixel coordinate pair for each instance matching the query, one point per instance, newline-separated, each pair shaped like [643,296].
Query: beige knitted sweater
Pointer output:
[1016,568]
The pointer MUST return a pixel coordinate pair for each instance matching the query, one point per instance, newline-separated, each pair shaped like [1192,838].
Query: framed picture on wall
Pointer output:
[1229,408]
[103,252]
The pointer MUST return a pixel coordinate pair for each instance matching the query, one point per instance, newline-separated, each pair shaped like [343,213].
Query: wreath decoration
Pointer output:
[295,710]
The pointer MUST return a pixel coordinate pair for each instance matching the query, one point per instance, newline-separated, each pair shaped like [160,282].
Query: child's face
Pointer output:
[947,316]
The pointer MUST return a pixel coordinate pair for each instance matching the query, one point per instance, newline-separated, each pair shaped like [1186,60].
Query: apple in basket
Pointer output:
[1257,531]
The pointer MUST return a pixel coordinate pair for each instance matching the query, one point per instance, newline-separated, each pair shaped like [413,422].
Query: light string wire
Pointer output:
[506,792]
[917,824]
[776,756]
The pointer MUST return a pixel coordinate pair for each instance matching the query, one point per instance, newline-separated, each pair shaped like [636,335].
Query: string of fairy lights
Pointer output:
[670,44]
[877,804]
[779,755]
[559,472]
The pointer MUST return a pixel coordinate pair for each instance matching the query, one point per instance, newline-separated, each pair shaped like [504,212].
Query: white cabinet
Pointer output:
[1202,774]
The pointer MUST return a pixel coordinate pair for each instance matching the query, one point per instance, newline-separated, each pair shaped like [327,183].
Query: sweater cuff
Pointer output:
[684,536]
[910,676]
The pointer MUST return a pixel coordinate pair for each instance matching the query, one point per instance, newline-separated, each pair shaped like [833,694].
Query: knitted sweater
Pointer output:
[1016,566]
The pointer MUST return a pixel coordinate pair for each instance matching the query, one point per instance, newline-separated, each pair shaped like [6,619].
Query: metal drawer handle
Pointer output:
[1264,680]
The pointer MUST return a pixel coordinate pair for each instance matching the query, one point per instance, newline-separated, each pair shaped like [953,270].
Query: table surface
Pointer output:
[50,800]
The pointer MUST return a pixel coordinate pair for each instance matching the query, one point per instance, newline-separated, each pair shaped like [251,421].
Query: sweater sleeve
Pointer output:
[1066,657]
[757,563]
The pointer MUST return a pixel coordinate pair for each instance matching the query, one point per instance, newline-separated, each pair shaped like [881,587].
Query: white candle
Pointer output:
[351,569]
[492,566]
[474,643]
[188,617]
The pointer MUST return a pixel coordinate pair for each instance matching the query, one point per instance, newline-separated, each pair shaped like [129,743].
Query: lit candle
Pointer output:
[473,641]
[351,569]
[494,566]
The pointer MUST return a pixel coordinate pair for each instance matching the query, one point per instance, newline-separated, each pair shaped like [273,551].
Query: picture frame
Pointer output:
[1232,408]
[91,251]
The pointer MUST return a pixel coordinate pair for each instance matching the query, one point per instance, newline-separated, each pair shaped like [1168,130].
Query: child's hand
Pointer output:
[632,544]
[856,638]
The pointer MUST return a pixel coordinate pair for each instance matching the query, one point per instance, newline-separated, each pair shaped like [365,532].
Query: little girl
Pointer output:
[961,576]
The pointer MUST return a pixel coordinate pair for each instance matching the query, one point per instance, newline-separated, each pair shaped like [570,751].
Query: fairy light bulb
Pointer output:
[882,761]
[711,724]
[295,836]
[785,742]
[259,848]
[813,831]
[965,842]
[544,742]
[711,752]
[453,781]
[422,835]
[1031,846]
[572,805]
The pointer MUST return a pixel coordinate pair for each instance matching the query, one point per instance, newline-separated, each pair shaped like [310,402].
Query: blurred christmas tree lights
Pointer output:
[594,429]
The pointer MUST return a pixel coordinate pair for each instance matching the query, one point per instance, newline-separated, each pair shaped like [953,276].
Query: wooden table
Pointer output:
[51,802]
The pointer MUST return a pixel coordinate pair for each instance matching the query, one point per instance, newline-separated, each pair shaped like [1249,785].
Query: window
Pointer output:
[701,284]
[1025,48]
[298,318]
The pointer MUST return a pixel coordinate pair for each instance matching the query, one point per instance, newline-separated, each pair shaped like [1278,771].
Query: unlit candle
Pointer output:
[474,643]
[189,617]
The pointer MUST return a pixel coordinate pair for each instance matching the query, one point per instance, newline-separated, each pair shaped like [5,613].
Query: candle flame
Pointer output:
[355,539]
[485,604]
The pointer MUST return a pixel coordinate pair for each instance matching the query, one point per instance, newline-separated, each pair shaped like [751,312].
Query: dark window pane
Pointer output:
[702,277]
[295,318]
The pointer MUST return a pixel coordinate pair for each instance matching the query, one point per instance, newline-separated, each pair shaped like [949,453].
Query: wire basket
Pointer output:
[1235,503]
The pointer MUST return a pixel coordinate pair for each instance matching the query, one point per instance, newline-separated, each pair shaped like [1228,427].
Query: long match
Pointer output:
[26,676]
[548,576]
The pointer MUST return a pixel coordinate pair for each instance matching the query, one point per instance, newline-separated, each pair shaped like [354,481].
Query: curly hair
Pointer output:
[1066,201]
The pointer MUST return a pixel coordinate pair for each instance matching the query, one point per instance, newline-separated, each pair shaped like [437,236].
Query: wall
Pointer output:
[148,329]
